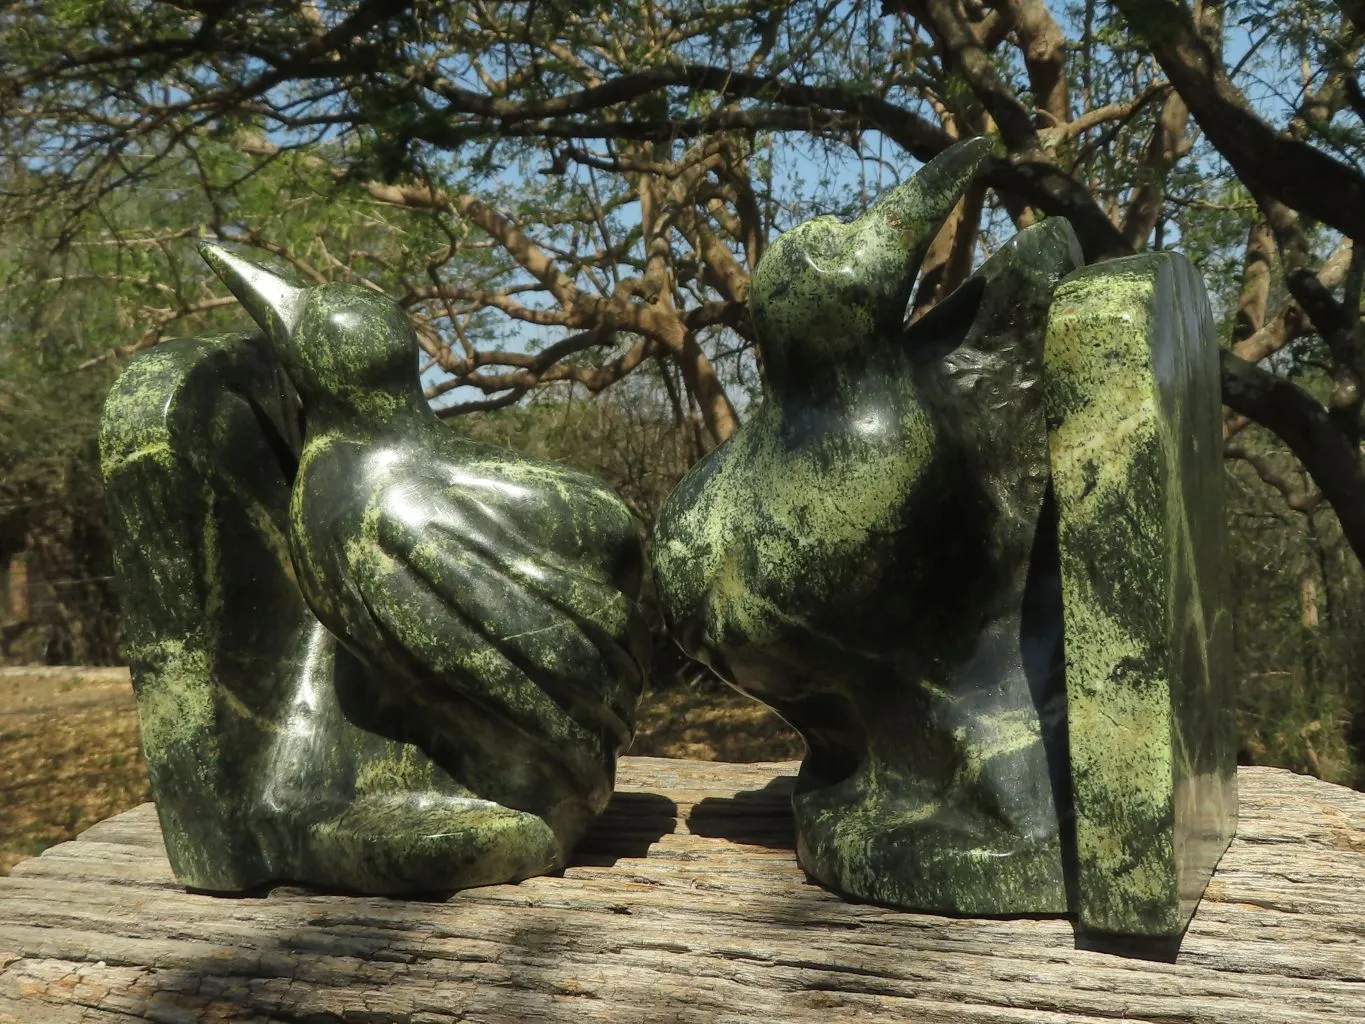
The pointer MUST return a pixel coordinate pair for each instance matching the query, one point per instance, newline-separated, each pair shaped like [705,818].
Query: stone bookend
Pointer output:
[873,554]
[1135,430]
[978,562]
[367,652]
[897,555]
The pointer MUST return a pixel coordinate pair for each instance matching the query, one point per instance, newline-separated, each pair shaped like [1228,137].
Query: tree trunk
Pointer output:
[17,587]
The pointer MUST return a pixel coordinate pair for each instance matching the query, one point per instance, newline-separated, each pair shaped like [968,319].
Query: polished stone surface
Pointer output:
[1134,410]
[270,496]
[873,555]
[879,554]
[978,562]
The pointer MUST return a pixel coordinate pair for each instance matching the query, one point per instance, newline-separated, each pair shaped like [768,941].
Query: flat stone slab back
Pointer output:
[1135,435]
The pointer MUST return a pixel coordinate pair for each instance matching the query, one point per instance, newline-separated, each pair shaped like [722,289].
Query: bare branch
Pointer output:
[1062,133]
[1269,162]
[1330,457]
[1291,323]
[1297,500]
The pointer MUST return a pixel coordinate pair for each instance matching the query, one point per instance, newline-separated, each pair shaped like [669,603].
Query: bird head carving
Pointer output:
[826,290]
[341,344]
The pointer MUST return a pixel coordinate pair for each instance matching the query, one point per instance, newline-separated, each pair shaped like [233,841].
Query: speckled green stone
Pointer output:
[872,554]
[271,496]
[1133,405]
[240,693]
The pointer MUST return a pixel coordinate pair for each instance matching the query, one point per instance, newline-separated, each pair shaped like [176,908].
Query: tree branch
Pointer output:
[1294,416]
[1044,46]
[1296,500]
[1268,161]
[1291,323]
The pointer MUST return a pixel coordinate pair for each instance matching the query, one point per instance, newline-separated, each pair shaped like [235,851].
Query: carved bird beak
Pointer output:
[906,219]
[854,280]
[266,287]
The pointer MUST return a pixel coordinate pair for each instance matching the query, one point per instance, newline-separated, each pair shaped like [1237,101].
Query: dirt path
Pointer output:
[28,690]
[69,755]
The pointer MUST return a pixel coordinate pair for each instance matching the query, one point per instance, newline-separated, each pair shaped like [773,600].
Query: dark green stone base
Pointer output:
[868,841]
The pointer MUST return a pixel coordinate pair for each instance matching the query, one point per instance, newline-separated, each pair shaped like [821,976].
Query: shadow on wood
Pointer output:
[629,827]
[756,817]
[675,913]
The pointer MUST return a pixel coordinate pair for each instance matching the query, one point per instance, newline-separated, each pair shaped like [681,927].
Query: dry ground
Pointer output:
[69,753]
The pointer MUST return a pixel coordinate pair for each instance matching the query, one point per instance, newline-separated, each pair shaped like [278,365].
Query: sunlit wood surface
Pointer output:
[684,904]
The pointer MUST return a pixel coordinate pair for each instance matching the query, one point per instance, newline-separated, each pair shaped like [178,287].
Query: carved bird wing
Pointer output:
[485,610]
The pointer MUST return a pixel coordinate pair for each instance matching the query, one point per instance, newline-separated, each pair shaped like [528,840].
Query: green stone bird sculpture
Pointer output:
[491,595]
[869,555]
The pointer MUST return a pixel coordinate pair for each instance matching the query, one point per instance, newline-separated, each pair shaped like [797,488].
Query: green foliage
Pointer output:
[51,515]
[74,313]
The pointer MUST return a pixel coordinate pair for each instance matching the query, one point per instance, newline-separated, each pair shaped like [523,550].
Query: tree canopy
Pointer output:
[608,175]
[567,191]
[570,196]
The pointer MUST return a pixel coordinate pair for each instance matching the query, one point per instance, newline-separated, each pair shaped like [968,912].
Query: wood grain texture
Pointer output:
[684,904]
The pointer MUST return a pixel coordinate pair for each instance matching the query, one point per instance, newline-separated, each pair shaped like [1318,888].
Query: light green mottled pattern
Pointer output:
[791,504]
[826,291]
[491,597]
[1135,439]
[248,710]
[426,569]
[196,713]
[825,299]
[858,556]
[343,801]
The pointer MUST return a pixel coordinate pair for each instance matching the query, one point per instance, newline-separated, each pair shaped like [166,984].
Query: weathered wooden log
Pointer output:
[684,904]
